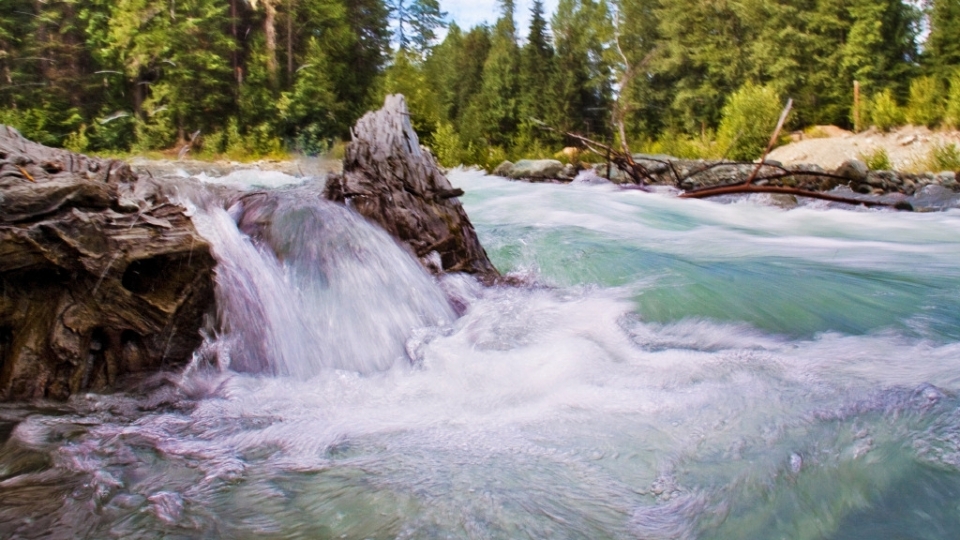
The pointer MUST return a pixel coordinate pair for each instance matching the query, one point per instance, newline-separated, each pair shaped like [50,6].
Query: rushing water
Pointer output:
[681,369]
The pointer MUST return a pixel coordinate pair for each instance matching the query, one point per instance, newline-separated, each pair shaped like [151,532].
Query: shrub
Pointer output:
[494,156]
[877,160]
[446,145]
[884,112]
[77,141]
[925,107]
[682,146]
[749,118]
[944,157]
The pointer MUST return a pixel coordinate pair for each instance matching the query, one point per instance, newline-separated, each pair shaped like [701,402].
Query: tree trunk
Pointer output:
[290,42]
[389,178]
[270,34]
[101,276]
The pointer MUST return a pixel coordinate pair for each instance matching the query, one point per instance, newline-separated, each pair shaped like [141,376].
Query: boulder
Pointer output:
[536,168]
[853,169]
[101,275]
[393,181]
[503,169]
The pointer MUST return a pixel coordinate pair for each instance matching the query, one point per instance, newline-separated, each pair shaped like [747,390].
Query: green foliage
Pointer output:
[925,107]
[407,76]
[145,74]
[942,48]
[495,110]
[417,23]
[944,157]
[883,111]
[673,143]
[446,146]
[77,141]
[952,107]
[749,118]
[877,160]
[493,156]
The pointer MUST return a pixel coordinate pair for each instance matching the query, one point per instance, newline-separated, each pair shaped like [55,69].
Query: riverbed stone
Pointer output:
[536,168]
[503,169]
[853,169]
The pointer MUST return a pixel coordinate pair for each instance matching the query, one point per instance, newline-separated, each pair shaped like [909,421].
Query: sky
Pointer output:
[469,13]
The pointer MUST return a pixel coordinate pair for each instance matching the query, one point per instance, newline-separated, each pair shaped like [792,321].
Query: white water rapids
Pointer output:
[681,369]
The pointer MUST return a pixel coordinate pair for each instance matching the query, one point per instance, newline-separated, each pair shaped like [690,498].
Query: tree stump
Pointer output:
[100,274]
[391,180]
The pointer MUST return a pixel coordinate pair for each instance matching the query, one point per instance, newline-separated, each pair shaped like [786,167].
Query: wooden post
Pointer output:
[856,106]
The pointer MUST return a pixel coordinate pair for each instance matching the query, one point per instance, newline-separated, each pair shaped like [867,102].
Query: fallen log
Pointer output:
[101,276]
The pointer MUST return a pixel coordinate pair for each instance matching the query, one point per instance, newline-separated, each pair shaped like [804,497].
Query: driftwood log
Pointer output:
[100,275]
[392,181]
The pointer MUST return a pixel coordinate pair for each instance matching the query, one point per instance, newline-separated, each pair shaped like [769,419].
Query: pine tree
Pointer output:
[942,48]
[495,109]
[417,23]
[537,75]
[583,32]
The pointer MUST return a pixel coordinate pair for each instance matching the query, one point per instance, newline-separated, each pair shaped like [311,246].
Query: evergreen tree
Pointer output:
[942,48]
[583,32]
[179,53]
[881,49]
[417,23]
[537,75]
[495,109]
[704,57]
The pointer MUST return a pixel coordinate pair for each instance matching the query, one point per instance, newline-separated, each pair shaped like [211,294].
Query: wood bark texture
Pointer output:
[391,180]
[101,275]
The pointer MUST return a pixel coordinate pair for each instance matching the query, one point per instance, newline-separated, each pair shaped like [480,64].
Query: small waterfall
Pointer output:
[305,285]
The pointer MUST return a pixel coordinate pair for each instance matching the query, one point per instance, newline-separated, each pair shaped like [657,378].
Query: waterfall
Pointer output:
[305,285]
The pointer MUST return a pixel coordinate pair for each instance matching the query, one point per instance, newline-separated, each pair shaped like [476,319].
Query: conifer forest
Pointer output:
[261,77]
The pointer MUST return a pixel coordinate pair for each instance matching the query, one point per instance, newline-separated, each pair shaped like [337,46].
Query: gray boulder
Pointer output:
[853,169]
[536,168]
[503,169]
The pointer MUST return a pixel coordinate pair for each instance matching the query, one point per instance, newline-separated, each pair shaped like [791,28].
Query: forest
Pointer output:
[247,78]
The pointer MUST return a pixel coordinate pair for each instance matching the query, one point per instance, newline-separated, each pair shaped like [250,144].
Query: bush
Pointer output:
[681,146]
[884,112]
[446,145]
[494,156]
[77,141]
[944,157]
[749,118]
[925,107]
[877,160]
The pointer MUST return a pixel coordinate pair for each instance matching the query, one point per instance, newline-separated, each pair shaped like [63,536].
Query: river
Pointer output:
[675,369]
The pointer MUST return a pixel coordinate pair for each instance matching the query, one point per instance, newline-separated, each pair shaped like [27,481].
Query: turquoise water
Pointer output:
[675,369]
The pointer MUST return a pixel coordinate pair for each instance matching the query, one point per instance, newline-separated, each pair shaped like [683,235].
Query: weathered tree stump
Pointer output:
[392,181]
[100,275]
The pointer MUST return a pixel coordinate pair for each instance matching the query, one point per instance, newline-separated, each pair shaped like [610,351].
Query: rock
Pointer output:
[907,140]
[853,169]
[503,169]
[536,168]
[569,172]
[782,200]
[392,181]
[948,179]
[101,275]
